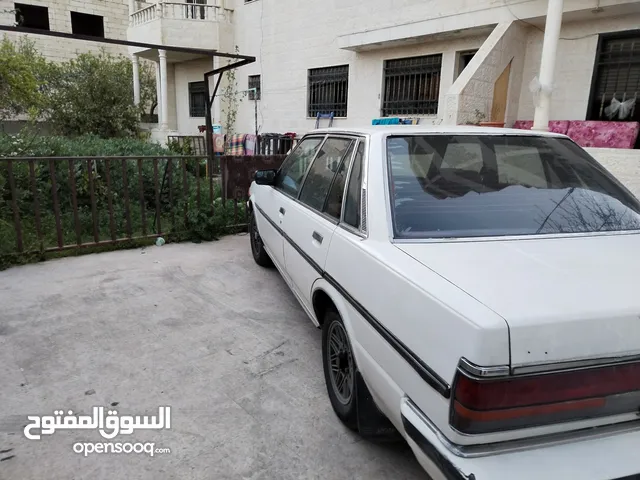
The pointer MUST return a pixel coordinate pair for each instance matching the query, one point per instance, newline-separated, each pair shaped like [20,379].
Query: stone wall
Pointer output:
[116,20]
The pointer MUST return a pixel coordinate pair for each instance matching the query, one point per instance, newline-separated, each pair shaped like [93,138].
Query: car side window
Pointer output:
[352,206]
[333,206]
[316,186]
[294,167]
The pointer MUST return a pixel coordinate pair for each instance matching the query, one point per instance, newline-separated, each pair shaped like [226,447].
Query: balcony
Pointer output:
[205,26]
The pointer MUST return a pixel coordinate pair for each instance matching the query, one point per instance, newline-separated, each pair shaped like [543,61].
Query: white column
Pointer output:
[158,91]
[164,95]
[136,79]
[548,63]
[132,6]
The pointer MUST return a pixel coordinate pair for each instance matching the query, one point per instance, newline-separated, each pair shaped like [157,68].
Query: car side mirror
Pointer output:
[265,177]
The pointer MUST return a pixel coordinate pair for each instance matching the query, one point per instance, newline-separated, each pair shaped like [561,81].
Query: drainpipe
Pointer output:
[548,63]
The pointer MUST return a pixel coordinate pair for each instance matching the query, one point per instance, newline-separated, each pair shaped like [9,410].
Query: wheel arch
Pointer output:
[324,296]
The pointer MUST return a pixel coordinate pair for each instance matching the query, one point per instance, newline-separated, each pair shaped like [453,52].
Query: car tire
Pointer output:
[260,255]
[339,369]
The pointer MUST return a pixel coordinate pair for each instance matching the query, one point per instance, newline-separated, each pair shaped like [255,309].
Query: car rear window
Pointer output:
[492,185]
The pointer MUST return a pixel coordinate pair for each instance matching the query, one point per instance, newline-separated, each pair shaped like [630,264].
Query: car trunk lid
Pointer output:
[564,299]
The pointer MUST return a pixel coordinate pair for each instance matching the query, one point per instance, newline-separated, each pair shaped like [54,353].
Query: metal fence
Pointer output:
[60,203]
[194,143]
[275,143]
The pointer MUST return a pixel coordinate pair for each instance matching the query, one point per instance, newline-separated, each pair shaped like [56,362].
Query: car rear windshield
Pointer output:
[490,185]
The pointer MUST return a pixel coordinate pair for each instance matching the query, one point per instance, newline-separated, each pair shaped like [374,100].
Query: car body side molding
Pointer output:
[434,380]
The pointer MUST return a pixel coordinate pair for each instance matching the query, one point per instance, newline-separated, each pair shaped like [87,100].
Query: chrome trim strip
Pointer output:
[512,238]
[575,365]
[483,372]
[364,187]
[513,446]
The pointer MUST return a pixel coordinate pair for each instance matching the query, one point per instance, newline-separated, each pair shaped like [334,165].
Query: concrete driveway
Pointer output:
[199,328]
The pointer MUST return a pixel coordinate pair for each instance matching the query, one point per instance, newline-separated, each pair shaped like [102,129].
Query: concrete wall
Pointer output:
[116,19]
[574,65]
[185,73]
[287,49]
[291,36]
[473,89]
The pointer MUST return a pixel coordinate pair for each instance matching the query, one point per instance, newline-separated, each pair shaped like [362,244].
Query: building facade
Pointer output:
[99,18]
[439,61]
[445,61]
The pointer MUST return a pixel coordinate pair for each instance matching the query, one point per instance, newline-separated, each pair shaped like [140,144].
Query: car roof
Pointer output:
[376,130]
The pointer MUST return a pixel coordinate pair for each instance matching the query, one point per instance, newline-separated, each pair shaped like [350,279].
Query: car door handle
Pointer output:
[317,237]
[282,210]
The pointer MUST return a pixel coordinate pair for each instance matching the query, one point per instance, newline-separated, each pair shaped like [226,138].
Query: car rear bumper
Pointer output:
[613,457]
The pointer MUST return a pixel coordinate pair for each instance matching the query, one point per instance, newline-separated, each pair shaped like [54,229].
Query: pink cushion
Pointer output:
[559,126]
[604,134]
[555,126]
[523,124]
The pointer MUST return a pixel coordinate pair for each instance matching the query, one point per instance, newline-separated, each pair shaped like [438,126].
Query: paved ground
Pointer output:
[198,327]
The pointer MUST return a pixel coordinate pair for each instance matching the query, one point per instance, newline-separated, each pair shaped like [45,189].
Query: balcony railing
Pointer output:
[212,12]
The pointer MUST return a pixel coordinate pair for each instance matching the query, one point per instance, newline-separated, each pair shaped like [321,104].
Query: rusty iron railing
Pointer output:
[59,203]
[195,143]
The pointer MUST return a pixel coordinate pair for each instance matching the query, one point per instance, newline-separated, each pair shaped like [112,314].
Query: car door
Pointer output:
[311,219]
[270,201]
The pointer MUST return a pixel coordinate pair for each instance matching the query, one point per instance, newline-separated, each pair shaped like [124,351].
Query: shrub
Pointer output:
[30,144]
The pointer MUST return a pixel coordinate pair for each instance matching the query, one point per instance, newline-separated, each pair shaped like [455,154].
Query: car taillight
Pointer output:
[484,405]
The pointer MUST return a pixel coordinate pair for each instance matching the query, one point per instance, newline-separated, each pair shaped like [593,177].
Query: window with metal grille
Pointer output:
[197,99]
[615,90]
[254,82]
[328,91]
[412,86]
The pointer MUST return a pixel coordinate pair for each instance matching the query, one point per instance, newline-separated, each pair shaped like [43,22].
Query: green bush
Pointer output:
[31,144]
[89,94]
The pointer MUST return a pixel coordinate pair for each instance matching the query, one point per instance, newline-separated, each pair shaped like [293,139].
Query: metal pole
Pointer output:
[209,126]
[255,116]
[548,63]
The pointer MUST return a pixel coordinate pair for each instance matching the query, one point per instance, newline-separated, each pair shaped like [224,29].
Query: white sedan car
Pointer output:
[477,291]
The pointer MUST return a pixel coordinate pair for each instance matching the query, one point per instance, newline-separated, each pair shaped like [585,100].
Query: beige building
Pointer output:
[99,18]
[179,76]
[439,60]
[442,61]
